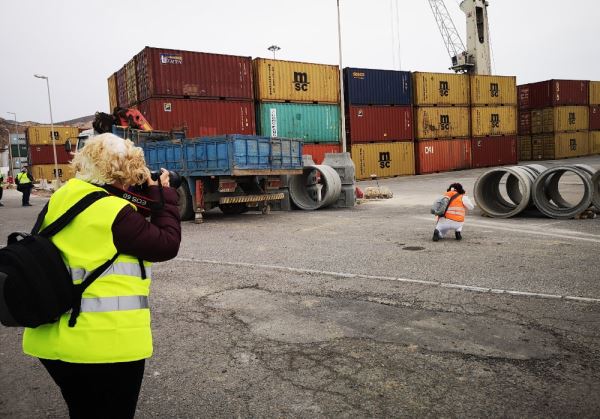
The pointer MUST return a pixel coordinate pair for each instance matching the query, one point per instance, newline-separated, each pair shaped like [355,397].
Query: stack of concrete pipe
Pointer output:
[535,186]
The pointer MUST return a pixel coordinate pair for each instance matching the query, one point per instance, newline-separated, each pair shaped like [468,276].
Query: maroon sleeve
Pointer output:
[156,240]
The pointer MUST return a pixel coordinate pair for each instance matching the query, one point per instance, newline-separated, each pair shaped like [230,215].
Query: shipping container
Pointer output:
[493,151]
[442,122]
[40,134]
[46,171]
[537,146]
[493,90]
[442,155]
[312,123]
[549,93]
[562,145]
[363,86]
[131,82]
[112,93]
[317,151]
[19,151]
[524,151]
[595,93]
[594,147]
[366,124]
[594,113]
[188,74]
[200,117]
[560,118]
[524,127]
[435,89]
[122,99]
[383,159]
[44,154]
[290,81]
[493,120]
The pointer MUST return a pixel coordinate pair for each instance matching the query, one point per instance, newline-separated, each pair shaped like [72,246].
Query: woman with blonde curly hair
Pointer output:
[98,362]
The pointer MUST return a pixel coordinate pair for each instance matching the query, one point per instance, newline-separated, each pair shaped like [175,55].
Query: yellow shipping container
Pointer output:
[562,145]
[560,119]
[524,147]
[442,122]
[40,135]
[276,80]
[383,159]
[537,146]
[493,90]
[433,89]
[594,147]
[46,171]
[131,82]
[595,93]
[112,92]
[493,120]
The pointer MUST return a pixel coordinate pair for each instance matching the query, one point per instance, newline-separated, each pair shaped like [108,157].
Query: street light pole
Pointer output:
[342,105]
[16,138]
[274,48]
[39,76]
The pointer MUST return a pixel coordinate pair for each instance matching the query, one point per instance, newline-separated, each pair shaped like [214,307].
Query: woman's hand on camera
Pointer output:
[163,179]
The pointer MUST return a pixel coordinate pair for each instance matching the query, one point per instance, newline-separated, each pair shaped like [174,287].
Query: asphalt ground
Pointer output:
[357,313]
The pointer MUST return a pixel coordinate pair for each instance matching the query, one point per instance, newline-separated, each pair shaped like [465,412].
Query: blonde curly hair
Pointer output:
[106,159]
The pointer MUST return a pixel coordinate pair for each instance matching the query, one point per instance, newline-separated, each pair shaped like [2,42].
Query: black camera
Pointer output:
[174,178]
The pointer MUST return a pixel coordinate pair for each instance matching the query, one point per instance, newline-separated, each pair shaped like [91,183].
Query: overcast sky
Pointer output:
[78,44]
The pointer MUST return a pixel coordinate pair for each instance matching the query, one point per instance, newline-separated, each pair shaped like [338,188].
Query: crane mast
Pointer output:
[475,58]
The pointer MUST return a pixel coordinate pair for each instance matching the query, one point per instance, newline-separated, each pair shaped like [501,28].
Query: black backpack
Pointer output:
[35,285]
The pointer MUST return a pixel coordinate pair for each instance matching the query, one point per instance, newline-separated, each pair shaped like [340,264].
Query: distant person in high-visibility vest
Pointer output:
[454,218]
[24,181]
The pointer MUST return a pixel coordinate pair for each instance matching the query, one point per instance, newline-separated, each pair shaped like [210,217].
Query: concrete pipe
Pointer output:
[317,187]
[548,199]
[518,190]
[596,186]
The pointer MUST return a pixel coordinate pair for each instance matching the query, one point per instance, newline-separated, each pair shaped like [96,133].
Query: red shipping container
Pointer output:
[493,151]
[122,98]
[549,93]
[379,123]
[442,155]
[594,118]
[168,72]
[44,154]
[524,122]
[200,118]
[317,151]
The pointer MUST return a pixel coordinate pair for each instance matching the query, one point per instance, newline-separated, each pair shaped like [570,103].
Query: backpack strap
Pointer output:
[67,217]
[450,201]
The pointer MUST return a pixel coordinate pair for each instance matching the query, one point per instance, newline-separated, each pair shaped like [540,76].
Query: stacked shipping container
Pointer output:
[594,121]
[379,122]
[299,100]
[442,140]
[41,151]
[554,119]
[201,93]
[493,120]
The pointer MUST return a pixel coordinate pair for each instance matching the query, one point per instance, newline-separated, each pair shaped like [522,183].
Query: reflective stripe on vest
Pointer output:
[117,268]
[102,304]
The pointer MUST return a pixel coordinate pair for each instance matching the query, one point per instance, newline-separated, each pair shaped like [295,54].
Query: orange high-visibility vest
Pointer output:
[456,210]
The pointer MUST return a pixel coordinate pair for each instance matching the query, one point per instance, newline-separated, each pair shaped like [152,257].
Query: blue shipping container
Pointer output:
[225,155]
[364,86]
[309,122]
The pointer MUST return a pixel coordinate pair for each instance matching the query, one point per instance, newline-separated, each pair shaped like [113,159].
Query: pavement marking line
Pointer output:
[570,235]
[461,287]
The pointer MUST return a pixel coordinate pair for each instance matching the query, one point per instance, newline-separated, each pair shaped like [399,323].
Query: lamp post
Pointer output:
[342,105]
[39,76]
[274,48]
[16,139]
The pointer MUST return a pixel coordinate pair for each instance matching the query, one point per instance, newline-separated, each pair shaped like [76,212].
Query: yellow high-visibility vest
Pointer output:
[23,178]
[114,323]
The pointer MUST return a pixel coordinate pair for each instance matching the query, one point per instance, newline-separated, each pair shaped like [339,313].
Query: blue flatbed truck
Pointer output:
[232,172]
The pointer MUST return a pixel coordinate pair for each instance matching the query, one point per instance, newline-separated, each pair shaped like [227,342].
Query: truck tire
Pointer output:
[231,209]
[186,209]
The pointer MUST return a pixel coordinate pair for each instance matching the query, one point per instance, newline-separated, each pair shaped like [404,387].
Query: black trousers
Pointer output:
[98,390]
[26,192]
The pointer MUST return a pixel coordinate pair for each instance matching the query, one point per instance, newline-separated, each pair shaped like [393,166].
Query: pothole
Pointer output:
[413,248]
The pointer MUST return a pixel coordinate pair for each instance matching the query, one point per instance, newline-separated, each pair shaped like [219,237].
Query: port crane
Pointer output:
[475,58]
